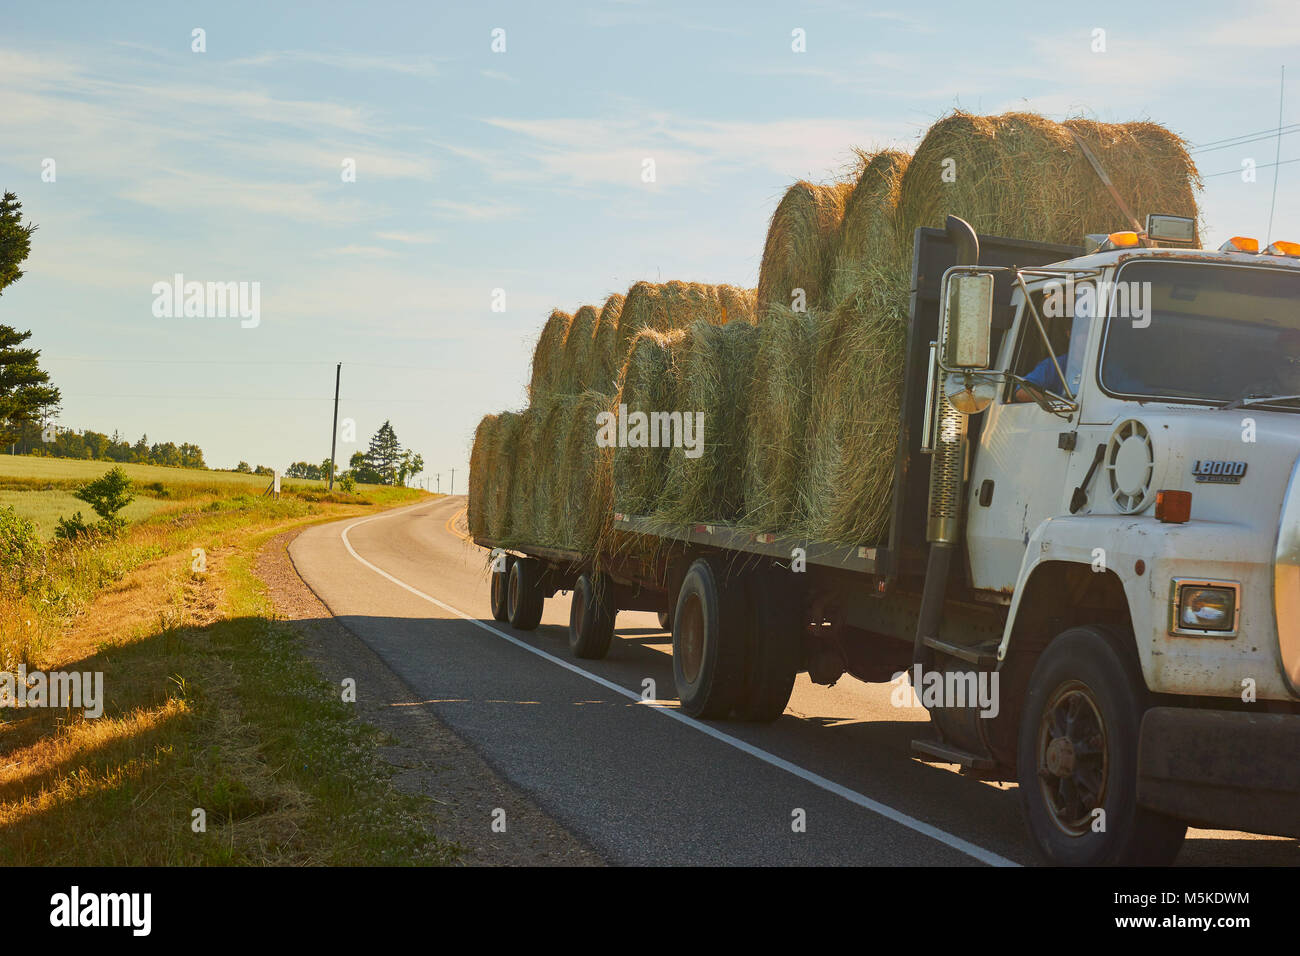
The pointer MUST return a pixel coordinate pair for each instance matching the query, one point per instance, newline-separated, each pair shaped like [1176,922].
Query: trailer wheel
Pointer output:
[708,641]
[499,586]
[591,618]
[524,601]
[772,655]
[665,620]
[1078,755]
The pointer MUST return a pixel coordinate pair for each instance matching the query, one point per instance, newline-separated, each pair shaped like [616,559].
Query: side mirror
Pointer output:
[968,320]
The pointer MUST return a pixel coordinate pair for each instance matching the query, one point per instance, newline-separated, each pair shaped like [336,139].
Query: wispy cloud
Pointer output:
[422,67]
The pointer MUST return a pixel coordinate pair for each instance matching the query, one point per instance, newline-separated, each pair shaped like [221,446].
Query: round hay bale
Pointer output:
[480,465]
[587,473]
[548,355]
[524,473]
[1022,175]
[605,357]
[666,306]
[576,369]
[500,457]
[869,243]
[647,384]
[846,489]
[706,456]
[1116,145]
[780,400]
[550,470]
[800,245]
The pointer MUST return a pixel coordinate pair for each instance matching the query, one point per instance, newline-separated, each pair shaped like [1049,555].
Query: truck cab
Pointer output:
[1133,489]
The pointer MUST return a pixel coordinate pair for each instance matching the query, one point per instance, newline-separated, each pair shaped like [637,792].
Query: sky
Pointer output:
[517,169]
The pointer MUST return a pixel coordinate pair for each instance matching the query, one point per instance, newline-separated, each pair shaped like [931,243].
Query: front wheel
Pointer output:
[1078,757]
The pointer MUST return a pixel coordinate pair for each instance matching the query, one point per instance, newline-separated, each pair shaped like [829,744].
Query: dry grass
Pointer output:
[800,247]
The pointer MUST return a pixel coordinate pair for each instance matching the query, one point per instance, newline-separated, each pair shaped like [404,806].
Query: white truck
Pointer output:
[1092,577]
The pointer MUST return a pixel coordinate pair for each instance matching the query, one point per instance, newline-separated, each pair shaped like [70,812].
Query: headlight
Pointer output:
[1201,606]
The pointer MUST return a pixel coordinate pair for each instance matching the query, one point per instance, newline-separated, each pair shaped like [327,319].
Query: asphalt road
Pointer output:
[639,781]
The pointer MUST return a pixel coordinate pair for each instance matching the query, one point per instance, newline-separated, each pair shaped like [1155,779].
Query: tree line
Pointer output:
[35,439]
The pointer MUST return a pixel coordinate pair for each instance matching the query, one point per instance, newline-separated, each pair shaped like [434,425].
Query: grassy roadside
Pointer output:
[209,706]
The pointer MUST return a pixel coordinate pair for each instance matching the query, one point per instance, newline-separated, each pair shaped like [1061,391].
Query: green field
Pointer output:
[70,472]
[45,508]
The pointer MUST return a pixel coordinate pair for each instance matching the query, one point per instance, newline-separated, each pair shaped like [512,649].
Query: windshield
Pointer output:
[1203,332]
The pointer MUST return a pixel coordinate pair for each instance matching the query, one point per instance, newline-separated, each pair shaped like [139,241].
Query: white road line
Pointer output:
[934,833]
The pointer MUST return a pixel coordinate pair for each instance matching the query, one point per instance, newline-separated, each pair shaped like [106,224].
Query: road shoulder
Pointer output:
[431,758]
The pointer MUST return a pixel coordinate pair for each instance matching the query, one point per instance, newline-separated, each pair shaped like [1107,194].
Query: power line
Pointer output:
[1248,138]
[171,361]
[1281,90]
[240,398]
[1227,172]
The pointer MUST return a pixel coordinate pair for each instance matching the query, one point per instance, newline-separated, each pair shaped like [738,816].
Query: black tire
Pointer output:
[498,584]
[665,620]
[591,618]
[524,601]
[774,630]
[708,642]
[1078,752]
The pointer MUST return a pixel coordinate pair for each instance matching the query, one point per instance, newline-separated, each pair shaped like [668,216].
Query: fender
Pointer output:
[1146,555]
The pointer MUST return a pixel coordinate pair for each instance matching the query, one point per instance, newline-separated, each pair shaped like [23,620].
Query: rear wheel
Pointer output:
[708,642]
[524,601]
[665,620]
[591,618]
[499,586]
[772,653]
[1078,757]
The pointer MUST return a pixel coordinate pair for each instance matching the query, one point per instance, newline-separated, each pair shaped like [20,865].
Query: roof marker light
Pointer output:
[1282,248]
[1241,244]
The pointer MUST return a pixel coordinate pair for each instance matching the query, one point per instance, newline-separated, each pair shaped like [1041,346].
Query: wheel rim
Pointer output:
[1072,761]
[498,590]
[690,639]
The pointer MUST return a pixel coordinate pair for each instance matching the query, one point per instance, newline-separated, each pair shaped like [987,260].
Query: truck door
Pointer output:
[1018,476]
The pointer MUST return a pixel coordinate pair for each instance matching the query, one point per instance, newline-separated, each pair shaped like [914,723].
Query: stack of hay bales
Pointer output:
[539,477]
[802,406]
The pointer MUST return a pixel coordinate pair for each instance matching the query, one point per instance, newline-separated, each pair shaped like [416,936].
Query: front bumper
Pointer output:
[1222,769]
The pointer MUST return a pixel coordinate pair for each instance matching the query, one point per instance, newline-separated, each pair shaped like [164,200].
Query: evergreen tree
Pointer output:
[26,397]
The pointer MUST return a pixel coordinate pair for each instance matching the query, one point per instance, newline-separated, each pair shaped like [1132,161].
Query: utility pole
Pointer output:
[438,480]
[334,433]
[453,482]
